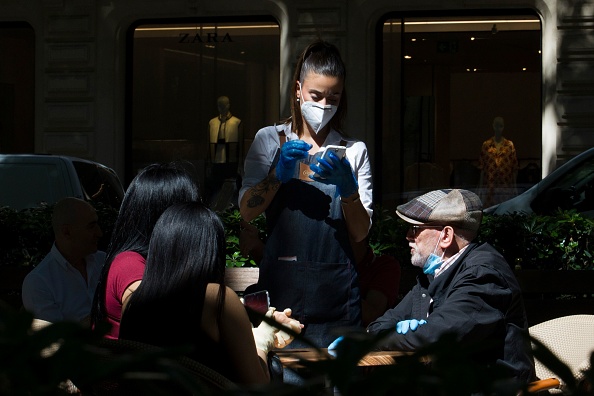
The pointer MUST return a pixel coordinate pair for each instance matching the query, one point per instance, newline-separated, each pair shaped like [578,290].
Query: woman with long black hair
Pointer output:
[182,299]
[153,190]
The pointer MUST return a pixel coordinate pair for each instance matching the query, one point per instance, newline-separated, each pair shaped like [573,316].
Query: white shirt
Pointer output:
[56,291]
[266,143]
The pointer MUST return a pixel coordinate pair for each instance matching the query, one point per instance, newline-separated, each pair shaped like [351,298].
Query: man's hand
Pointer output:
[334,345]
[403,326]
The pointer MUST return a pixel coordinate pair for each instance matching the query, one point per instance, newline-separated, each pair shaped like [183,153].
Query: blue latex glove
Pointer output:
[403,326]
[291,152]
[338,173]
[332,347]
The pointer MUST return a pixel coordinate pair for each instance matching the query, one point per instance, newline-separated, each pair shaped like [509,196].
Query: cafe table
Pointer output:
[294,358]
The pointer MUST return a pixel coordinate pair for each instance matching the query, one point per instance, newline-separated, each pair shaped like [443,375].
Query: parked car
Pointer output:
[26,180]
[570,186]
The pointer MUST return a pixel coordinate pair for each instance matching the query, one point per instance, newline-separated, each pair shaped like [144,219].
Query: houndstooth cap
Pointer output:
[453,207]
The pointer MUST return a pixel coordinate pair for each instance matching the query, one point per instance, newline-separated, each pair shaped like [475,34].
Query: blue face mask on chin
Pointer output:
[433,262]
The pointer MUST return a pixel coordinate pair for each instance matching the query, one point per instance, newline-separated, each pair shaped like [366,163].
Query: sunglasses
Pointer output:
[415,228]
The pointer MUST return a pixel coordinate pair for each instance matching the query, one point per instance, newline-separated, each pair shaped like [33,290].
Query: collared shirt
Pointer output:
[56,291]
[266,143]
[446,264]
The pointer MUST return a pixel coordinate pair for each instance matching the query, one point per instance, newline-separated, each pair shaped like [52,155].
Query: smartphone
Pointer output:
[339,151]
[258,301]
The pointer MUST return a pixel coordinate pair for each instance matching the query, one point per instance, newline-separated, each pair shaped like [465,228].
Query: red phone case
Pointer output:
[258,301]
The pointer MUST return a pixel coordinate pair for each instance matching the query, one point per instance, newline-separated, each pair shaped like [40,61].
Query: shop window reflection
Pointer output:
[179,71]
[444,77]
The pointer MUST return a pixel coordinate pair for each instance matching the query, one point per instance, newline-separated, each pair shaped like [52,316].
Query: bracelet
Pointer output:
[357,198]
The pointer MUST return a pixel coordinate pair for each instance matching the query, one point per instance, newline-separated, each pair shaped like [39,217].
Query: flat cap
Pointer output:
[453,207]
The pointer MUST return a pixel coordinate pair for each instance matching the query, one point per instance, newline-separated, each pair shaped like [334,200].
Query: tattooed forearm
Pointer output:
[255,201]
[271,183]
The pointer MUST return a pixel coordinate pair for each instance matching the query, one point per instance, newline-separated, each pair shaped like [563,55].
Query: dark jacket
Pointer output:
[479,299]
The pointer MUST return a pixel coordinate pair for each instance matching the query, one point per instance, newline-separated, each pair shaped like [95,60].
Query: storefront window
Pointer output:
[200,91]
[445,81]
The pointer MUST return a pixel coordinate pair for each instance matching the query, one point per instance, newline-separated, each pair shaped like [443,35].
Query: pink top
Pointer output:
[126,268]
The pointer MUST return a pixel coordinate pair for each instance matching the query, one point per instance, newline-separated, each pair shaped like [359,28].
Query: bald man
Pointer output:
[62,286]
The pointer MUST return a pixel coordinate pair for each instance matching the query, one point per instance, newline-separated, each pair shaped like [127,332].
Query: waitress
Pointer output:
[312,207]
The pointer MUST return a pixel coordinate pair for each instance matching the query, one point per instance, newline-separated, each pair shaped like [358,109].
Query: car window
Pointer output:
[99,184]
[574,190]
[25,185]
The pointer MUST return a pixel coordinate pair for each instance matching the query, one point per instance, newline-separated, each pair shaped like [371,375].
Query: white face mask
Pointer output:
[317,115]
[433,262]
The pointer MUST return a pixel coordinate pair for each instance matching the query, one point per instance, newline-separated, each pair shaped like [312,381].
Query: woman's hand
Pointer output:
[268,337]
[249,240]
[264,334]
[291,152]
[284,318]
[337,172]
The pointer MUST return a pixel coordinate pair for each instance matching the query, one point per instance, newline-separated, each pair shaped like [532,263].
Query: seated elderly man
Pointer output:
[465,287]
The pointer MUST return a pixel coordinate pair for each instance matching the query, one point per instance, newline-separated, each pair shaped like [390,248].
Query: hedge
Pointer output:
[559,241]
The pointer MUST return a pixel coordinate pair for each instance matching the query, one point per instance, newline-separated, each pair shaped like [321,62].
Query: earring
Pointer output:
[297,100]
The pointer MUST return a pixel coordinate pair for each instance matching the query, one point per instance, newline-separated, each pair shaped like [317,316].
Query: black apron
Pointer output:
[308,264]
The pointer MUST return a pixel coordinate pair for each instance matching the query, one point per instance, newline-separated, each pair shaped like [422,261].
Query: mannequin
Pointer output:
[499,167]
[225,153]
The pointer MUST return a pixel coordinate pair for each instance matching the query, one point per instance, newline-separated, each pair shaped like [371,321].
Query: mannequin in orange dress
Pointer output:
[499,167]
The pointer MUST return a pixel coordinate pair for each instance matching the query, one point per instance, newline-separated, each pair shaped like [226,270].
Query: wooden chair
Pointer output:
[571,339]
[239,278]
